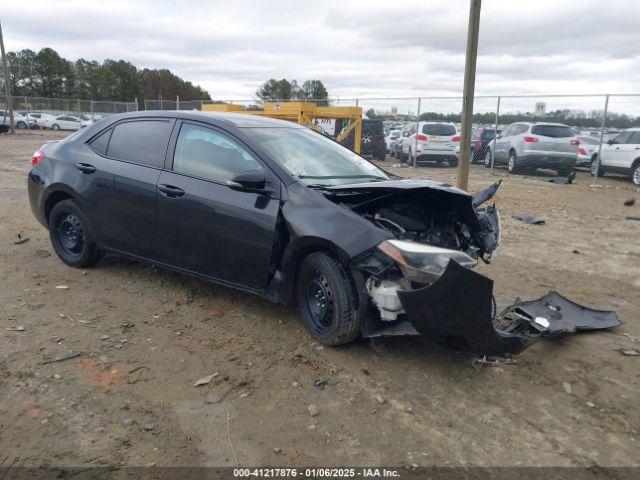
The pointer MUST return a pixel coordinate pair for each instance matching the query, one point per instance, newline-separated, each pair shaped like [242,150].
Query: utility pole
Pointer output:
[6,83]
[467,96]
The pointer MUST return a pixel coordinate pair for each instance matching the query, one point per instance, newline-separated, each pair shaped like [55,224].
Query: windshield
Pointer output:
[315,159]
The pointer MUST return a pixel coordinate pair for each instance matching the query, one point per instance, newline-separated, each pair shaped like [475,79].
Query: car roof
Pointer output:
[238,120]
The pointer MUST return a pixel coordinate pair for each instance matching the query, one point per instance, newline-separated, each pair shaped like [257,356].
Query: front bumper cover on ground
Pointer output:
[458,310]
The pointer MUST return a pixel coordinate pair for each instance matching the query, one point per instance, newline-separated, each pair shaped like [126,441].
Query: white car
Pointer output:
[621,154]
[20,121]
[86,120]
[64,122]
[392,136]
[588,150]
[436,142]
[41,118]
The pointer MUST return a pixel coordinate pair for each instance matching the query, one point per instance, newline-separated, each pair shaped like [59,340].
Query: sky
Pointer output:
[357,48]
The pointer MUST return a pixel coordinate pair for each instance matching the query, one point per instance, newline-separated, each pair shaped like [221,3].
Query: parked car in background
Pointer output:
[527,146]
[480,148]
[41,118]
[86,120]
[621,155]
[372,140]
[391,137]
[436,142]
[64,122]
[397,145]
[20,121]
[588,150]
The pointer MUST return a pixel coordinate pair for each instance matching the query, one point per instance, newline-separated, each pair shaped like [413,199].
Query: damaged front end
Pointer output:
[421,281]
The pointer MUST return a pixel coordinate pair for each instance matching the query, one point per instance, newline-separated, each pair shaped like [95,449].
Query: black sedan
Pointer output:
[279,210]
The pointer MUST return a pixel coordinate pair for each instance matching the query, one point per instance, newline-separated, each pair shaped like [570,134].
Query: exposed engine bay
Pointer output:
[420,280]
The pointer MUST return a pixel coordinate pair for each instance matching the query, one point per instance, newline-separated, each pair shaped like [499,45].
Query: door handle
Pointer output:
[637,148]
[171,191]
[85,167]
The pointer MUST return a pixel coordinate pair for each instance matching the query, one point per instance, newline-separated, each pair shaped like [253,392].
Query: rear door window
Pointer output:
[439,129]
[635,138]
[553,131]
[140,141]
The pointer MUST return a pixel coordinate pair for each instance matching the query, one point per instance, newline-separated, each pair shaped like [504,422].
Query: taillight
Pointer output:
[531,139]
[479,144]
[422,138]
[582,151]
[455,139]
[575,141]
[37,157]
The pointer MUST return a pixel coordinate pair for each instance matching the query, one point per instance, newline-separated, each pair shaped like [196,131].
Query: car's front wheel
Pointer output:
[328,300]
[55,126]
[71,236]
[635,174]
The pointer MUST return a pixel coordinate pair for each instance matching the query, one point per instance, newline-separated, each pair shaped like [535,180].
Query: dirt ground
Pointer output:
[145,336]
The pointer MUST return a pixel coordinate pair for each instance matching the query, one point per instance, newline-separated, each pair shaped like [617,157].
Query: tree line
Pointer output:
[47,74]
[284,89]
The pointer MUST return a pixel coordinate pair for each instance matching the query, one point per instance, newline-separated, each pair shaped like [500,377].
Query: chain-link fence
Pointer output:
[552,137]
[580,137]
[59,113]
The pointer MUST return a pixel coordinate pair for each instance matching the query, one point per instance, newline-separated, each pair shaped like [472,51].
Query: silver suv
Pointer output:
[528,146]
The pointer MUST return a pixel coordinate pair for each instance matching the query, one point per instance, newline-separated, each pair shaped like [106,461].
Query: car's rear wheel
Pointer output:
[512,165]
[487,159]
[328,300]
[453,162]
[595,169]
[71,236]
[21,125]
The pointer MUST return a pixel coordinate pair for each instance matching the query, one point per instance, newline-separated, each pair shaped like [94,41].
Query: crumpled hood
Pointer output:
[363,195]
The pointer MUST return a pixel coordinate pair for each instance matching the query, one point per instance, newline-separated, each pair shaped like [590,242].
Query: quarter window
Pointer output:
[101,142]
[206,153]
[144,142]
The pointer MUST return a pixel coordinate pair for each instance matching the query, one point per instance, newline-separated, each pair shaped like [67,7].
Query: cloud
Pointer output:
[358,48]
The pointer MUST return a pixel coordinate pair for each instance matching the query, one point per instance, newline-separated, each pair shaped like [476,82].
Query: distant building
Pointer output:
[541,109]
[394,111]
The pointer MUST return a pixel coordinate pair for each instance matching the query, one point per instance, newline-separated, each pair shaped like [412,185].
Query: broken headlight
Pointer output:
[423,263]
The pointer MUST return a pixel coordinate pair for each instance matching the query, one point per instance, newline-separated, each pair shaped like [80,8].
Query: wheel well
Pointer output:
[52,200]
[635,163]
[291,266]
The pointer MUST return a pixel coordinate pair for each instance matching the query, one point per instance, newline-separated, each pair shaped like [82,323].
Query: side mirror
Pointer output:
[610,141]
[248,181]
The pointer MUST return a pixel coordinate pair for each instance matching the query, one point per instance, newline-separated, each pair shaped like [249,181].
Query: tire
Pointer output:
[487,159]
[71,235]
[512,164]
[55,126]
[21,125]
[592,167]
[635,173]
[453,163]
[564,172]
[327,299]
